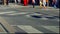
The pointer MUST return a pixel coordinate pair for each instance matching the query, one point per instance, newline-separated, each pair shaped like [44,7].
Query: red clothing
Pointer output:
[26,2]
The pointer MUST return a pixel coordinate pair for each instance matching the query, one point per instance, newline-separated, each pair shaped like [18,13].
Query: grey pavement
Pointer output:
[32,20]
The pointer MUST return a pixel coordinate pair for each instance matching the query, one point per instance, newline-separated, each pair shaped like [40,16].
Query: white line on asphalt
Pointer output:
[6,12]
[52,28]
[34,14]
[29,29]
[18,13]
[44,18]
[28,15]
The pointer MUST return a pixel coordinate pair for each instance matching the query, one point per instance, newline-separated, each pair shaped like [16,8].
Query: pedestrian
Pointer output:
[19,1]
[57,4]
[50,3]
[25,2]
[6,2]
[47,2]
[54,3]
[33,2]
[44,3]
[41,3]
[15,1]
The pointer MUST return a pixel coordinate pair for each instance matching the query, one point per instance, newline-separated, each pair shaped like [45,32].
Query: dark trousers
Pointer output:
[33,5]
[7,2]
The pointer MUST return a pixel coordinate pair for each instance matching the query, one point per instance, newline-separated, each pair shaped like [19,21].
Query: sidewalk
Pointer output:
[12,5]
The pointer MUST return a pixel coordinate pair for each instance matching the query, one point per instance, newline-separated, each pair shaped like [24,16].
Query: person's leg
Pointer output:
[33,5]
[44,4]
[55,5]
[40,4]
[7,2]
[15,1]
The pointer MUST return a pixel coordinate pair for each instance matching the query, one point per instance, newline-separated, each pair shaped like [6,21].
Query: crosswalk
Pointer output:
[31,29]
[13,13]
[30,14]
[4,7]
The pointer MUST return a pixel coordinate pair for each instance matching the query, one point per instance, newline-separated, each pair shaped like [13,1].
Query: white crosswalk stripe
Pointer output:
[13,13]
[52,28]
[30,29]
[6,12]
[17,13]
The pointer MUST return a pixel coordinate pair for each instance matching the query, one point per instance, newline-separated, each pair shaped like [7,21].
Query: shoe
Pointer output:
[45,7]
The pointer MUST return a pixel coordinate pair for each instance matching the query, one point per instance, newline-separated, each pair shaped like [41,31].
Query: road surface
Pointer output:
[32,20]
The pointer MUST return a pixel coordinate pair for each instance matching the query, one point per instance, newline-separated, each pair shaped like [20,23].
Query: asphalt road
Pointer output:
[43,20]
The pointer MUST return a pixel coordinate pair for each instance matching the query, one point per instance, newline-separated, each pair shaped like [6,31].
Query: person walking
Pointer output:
[7,2]
[44,3]
[15,1]
[54,3]
[47,3]
[41,3]
[19,1]
[33,2]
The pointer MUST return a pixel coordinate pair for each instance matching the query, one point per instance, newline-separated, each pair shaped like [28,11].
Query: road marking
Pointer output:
[13,13]
[28,15]
[6,12]
[52,28]
[29,29]
[34,14]
[44,18]
[18,13]
[2,32]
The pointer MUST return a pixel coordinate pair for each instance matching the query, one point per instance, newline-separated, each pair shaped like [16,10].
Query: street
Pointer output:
[32,20]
